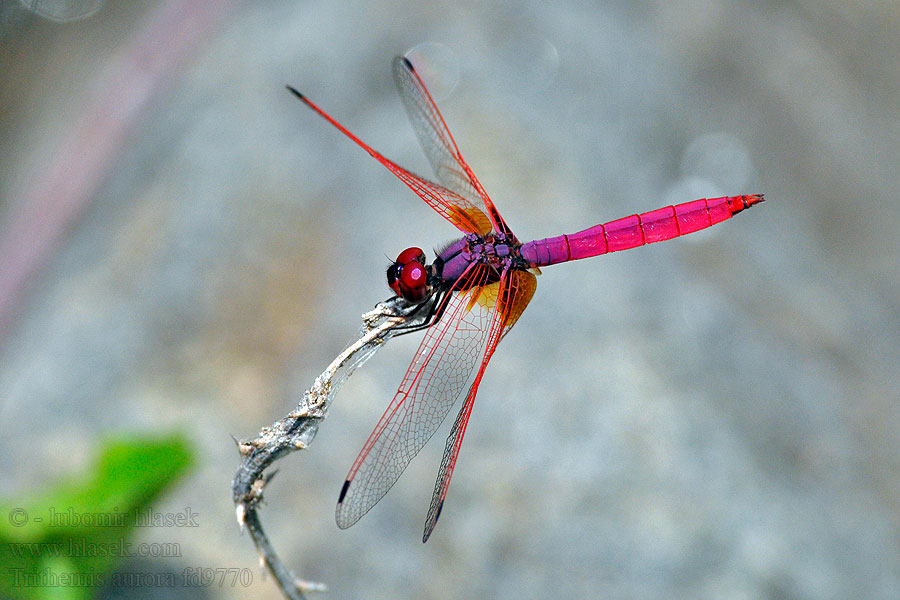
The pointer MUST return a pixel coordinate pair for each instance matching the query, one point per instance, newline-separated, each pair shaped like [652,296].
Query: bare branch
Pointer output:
[297,430]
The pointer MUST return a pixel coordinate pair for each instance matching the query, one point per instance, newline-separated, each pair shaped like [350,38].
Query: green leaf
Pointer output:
[64,540]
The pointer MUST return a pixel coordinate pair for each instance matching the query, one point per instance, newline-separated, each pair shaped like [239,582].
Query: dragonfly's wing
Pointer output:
[462,212]
[458,210]
[443,154]
[442,370]
[515,290]
[522,285]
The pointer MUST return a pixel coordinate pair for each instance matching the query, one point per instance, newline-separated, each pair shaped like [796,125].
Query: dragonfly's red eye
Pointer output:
[408,277]
[411,254]
[413,275]
[413,281]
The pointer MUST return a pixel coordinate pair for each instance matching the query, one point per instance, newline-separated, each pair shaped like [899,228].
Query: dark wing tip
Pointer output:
[408,64]
[295,92]
[429,527]
[342,520]
[343,491]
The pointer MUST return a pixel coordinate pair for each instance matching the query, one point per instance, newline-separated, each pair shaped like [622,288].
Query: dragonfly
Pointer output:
[470,296]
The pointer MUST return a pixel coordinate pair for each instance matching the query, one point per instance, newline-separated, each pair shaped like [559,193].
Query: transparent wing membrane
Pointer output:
[510,297]
[440,147]
[441,372]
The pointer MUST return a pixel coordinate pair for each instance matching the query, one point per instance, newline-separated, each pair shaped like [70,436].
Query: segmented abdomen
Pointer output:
[636,230]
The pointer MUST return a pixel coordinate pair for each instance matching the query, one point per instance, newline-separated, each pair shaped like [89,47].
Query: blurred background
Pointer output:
[184,247]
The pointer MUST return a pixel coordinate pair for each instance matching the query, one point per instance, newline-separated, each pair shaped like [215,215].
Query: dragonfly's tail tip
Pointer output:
[738,203]
[754,199]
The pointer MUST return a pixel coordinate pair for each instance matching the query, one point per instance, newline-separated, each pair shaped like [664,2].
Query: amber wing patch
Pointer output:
[470,219]
[519,290]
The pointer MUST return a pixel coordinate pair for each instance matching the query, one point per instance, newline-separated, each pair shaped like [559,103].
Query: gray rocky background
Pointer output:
[713,417]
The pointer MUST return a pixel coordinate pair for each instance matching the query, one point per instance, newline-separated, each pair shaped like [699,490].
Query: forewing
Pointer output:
[456,208]
[442,370]
[513,293]
[460,211]
[440,147]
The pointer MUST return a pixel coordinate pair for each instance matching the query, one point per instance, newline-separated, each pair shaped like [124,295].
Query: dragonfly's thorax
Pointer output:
[497,250]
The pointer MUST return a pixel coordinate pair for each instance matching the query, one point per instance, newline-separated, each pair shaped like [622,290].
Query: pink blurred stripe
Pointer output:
[63,190]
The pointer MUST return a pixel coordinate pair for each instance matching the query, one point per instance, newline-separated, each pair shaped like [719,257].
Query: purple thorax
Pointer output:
[493,249]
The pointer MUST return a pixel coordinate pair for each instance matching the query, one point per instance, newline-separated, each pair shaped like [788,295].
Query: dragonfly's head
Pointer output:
[408,277]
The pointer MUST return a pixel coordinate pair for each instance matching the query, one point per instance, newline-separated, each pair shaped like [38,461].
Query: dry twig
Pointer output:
[297,430]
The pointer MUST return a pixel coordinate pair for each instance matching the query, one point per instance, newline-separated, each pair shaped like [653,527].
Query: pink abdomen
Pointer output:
[636,230]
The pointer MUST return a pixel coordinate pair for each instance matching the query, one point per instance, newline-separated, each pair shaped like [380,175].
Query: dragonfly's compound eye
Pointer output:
[393,277]
[411,254]
[413,281]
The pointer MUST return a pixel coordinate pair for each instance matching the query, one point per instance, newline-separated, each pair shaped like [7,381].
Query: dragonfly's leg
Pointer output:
[430,318]
[435,309]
